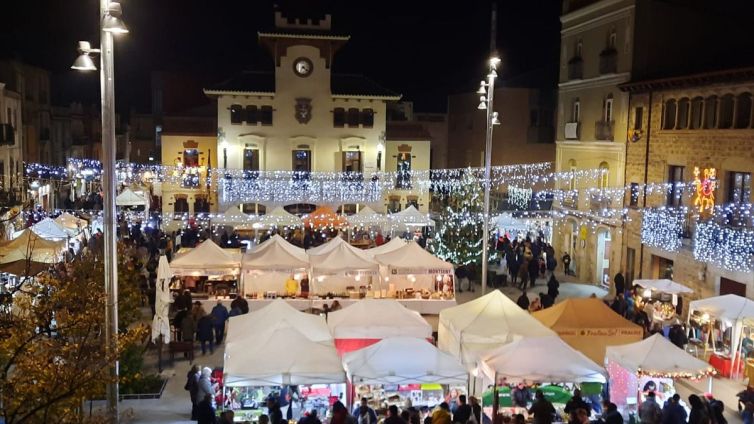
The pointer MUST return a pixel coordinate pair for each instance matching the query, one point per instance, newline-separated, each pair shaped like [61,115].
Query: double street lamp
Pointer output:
[487,91]
[110,23]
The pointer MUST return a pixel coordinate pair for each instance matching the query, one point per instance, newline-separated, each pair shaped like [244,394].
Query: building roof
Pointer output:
[302,33]
[690,80]
[406,131]
[264,82]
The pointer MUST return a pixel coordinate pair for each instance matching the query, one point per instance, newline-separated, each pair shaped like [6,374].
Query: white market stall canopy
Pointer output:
[413,259]
[205,259]
[71,222]
[483,324]
[276,256]
[664,286]
[343,259]
[366,217]
[377,319]
[390,246]
[541,359]
[403,360]
[410,217]
[234,217]
[129,198]
[50,230]
[281,357]
[728,307]
[278,314]
[29,246]
[329,246]
[656,356]
[509,223]
[278,217]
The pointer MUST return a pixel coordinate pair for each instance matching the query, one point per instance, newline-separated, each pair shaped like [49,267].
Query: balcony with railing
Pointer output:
[608,61]
[604,130]
[576,68]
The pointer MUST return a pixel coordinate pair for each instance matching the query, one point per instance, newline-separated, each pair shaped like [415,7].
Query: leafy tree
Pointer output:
[52,346]
[458,236]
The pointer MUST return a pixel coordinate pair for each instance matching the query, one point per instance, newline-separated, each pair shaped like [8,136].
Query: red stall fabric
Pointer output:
[724,365]
[344,346]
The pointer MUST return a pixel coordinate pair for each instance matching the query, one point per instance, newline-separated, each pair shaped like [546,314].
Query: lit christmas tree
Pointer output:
[458,237]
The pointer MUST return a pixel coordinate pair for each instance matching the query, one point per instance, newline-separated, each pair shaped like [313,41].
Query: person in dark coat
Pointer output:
[533,270]
[205,412]
[521,396]
[204,333]
[273,410]
[575,404]
[463,412]
[241,303]
[219,316]
[545,300]
[178,322]
[192,385]
[188,328]
[620,283]
[523,301]
[552,287]
[512,260]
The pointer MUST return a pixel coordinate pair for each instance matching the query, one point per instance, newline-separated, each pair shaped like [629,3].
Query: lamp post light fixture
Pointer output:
[487,91]
[110,23]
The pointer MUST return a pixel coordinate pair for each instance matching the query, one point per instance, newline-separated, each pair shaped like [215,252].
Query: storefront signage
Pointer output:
[705,183]
[406,271]
[600,332]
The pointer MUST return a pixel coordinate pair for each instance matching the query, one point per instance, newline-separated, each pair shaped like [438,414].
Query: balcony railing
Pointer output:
[603,130]
[608,61]
[575,68]
[572,130]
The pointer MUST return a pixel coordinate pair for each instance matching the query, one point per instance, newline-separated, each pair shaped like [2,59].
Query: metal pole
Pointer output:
[108,185]
[487,182]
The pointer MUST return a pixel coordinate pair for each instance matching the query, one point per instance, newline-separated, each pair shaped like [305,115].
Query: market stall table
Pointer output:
[724,364]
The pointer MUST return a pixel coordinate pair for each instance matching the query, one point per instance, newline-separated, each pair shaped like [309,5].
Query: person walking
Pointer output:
[205,411]
[566,263]
[188,328]
[204,334]
[698,414]
[393,417]
[575,404]
[364,414]
[512,261]
[533,270]
[463,412]
[521,395]
[220,315]
[542,409]
[553,286]
[441,414]
[273,410]
[192,385]
[476,410]
[204,387]
[649,410]
[611,415]
[673,412]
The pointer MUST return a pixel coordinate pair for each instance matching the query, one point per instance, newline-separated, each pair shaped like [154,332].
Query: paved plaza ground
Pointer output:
[174,405]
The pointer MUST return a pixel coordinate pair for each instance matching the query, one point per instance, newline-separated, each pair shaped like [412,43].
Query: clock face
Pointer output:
[302,67]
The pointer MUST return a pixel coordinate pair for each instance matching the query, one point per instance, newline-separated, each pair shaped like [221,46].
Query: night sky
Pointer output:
[422,49]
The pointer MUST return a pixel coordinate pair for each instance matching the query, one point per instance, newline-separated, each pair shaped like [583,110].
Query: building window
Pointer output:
[412,201]
[352,161]
[609,108]
[697,105]
[236,114]
[394,204]
[710,112]
[339,117]
[572,170]
[266,115]
[743,111]
[675,192]
[201,205]
[612,39]
[604,175]
[191,158]
[252,115]
[638,118]
[579,48]
[181,205]
[576,111]
[634,195]
[250,159]
[253,208]
[302,160]
[668,117]
[683,114]
[739,190]
[353,117]
[403,168]
[367,118]
[726,112]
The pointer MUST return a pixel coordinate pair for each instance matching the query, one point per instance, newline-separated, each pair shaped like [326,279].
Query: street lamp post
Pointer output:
[110,23]
[487,90]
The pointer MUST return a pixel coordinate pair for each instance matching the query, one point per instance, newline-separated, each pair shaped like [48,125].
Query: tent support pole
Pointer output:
[495,400]
[709,384]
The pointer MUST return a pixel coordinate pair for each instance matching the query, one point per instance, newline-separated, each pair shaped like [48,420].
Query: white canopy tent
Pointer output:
[130,198]
[278,217]
[341,267]
[235,218]
[483,324]
[278,313]
[409,218]
[377,319]
[541,359]
[656,355]
[50,230]
[366,217]
[268,267]
[733,310]
[664,286]
[206,259]
[281,357]
[390,246]
[403,360]
[71,223]
[330,246]
[30,246]
[412,266]
[161,322]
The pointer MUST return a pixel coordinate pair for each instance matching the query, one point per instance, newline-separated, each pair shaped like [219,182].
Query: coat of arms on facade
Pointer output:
[303,110]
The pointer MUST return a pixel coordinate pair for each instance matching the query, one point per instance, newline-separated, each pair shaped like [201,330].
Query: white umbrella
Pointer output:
[161,321]
[664,286]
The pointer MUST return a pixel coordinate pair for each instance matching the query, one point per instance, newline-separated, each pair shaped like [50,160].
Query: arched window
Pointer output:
[710,112]
[604,175]
[697,104]
[683,114]
[668,118]
[743,111]
[726,112]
